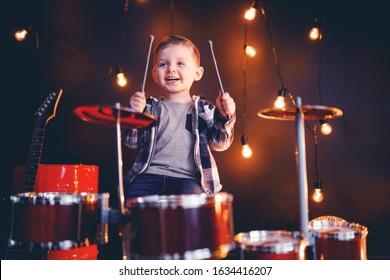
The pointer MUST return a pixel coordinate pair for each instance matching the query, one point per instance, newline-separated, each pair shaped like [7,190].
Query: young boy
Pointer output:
[175,156]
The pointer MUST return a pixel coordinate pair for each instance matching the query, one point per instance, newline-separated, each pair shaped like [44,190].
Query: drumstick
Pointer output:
[216,67]
[151,38]
[216,70]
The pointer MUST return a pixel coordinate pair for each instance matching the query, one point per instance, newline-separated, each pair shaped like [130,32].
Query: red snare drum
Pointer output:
[55,221]
[270,245]
[181,227]
[338,240]
[69,178]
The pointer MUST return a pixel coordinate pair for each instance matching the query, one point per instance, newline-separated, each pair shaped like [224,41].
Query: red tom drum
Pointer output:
[337,239]
[181,227]
[270,245]
[55,221]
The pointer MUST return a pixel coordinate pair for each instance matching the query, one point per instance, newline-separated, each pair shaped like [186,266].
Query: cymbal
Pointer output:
[310,112]
[102,114]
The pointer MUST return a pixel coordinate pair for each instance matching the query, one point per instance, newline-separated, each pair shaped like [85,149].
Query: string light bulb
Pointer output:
[315,32]
[250,13]
[246,150]
[21,35]
[326,128]
[250,51]
[121,79]
[280,102]
[318,195]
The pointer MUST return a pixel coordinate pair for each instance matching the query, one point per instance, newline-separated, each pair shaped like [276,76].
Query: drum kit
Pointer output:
[69,218]
[74,220]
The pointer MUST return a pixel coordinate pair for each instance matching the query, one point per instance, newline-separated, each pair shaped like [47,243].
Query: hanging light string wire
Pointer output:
[320,72]
[123,35]
[315,139]
[171,10]
[244,72]
[275,54]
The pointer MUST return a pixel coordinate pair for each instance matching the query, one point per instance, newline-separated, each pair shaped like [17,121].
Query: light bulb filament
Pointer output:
[246,151]
[326,128]
[317,196]
[279,102]
[21,35]
[250,51]
[121,80]
[250,14]
[314,34]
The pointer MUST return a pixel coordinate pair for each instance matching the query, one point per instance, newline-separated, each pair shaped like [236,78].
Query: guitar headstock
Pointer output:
[49,107]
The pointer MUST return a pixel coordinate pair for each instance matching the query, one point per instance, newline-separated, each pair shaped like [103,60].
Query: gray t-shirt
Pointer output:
[174,151]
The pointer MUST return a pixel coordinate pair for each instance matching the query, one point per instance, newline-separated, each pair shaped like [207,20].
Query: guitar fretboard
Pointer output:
[34,158]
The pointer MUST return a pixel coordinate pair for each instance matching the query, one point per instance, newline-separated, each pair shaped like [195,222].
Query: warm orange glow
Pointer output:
[121,80]
[326,128]
[250,14]
[315,34]
[279,102]
[250,51]
[142,1]
[246,151]
[21,35]
[317,196]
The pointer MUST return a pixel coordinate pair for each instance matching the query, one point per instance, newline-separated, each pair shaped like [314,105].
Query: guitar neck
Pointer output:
[34,158]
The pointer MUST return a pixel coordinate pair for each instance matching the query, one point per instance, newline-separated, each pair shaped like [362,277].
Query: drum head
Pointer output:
[278,242]
[332,227]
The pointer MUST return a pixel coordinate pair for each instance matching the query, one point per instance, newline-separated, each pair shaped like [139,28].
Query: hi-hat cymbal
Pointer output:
[310,112]
[105,114]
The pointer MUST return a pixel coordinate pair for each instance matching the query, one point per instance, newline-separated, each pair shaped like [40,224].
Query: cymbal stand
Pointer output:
[121,197]
[299,113]
[302,171]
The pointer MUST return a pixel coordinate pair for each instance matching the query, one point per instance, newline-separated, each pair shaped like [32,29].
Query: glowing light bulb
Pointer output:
[315,34]
[246,151]
[121,80]
[250,51]
[279,102]
[21,35]
[317,196]
[326,128]
[250,14]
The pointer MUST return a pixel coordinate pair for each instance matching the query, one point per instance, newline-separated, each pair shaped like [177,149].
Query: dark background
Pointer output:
[80,40]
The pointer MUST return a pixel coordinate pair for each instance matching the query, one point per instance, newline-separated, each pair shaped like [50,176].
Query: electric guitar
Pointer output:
[44,114]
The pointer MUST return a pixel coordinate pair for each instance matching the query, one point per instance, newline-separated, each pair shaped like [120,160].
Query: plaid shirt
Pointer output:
[211,131]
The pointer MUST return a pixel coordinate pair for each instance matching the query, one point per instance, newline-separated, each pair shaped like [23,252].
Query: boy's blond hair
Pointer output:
[176,40]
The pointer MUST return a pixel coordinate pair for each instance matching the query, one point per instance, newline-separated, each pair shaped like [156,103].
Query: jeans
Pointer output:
[152,184]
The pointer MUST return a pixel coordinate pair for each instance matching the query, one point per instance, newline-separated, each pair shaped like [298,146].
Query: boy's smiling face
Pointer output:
[176,69]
